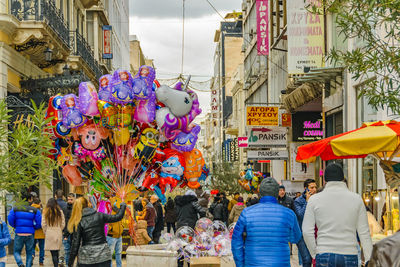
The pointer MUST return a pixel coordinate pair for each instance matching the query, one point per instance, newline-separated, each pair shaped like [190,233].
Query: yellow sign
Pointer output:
[262,116]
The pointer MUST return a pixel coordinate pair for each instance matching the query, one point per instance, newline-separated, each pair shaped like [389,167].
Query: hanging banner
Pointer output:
[243,141]
[286,119]
[214,104]
[267,154]
[262,27]
[300,171]
[305,31]
[267,137]
[262,116]
[107,34]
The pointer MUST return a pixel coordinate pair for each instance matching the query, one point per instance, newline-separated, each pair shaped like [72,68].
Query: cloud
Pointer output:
[173,8]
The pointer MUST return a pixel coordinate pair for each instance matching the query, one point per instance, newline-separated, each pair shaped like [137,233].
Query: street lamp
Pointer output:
[48,54]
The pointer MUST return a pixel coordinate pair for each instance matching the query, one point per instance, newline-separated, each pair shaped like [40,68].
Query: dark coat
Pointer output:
[286,201]
[150,216]
[170,212]
[188,210]
[159,226]
[217,210]
[67,214]
[90,230]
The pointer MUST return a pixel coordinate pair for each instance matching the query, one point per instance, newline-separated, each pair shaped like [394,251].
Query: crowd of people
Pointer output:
[329,226]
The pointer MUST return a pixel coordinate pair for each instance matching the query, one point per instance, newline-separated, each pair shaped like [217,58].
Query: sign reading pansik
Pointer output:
[305,36]
[262,27]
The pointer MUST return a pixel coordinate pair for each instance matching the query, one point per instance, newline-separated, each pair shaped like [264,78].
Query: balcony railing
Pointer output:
[41,10]
[83,49]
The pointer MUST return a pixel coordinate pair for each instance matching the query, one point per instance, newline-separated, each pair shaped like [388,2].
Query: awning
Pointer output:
[308,87]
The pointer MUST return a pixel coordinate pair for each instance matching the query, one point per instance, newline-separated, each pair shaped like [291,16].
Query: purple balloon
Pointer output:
[185,142]
[88,99]
[121,87]
[143,83]
[105,87]
[72,117]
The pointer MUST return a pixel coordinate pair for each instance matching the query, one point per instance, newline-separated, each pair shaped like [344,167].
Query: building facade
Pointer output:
[42,38]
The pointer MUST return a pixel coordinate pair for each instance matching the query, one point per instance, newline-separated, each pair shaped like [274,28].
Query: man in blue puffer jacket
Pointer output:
[269,228]
[5,239]
[25,220]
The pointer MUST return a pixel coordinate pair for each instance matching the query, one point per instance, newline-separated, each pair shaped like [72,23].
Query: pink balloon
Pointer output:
[88,99]
[72,175]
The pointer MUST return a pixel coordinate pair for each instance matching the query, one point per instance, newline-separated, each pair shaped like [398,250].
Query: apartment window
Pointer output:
[62,6]
[68,10]
[77,20]
[90,28]
[334,124]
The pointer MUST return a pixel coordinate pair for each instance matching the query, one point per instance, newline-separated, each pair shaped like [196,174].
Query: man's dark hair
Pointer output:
[72,195]
[223,194]
[36,200]
[236,193]
[59,194]
[307,182]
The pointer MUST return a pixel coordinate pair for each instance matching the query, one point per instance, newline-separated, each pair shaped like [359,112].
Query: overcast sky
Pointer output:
[158,26]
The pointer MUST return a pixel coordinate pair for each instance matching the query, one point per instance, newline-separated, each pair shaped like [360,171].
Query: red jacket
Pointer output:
[150,216]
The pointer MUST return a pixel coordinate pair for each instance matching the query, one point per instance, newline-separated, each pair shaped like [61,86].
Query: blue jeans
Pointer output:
[19,243]
[304,254]
[336,260]
[41,249]
[150,230]
[115,244]
[67,248]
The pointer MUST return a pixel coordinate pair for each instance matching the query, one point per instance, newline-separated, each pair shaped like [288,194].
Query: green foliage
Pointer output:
[375,59]
[225,177]
[24,151]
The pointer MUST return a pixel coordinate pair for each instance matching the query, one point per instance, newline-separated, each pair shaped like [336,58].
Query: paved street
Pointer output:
[48,263]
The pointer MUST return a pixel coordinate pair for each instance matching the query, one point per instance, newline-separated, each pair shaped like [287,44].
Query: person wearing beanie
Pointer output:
[299,205]
[283,199]
[269,227]
[340,216]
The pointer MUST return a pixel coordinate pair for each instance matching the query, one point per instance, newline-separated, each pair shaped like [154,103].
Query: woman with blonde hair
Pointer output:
[53,223]
[88,239]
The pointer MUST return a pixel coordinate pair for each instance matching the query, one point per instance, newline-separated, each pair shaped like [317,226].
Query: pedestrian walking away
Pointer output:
[236,210]
[300,204]
[217,209]
[66,233]
[88,239]
[53,223]
[114,237]
[188,209]
[5,239]
[39,235]
[170,215]
[263,231]
[25,220]
[339,216]
[159,222]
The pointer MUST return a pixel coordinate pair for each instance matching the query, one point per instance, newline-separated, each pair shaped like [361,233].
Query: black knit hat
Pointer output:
[334,172]
[269,187]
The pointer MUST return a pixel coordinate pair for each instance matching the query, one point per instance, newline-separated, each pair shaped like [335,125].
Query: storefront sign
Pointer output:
[286,119]
[267,137]
[300,171]
[305,31]
[267,154]
[307,126]
[292,187]
[262,116]
[214,104]
[107,35]
[234,150]
[262,27]
[243,142]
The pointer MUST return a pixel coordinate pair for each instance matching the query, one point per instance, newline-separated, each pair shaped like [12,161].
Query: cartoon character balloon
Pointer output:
[57,129]
[146,148]
[186,141]
[121,87]
[88,99]
[144,95]
[194,162]
[72,117]
[90,142]
[172,169]
[105,88]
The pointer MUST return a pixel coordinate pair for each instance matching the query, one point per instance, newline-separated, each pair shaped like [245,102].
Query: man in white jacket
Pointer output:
[339,215]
